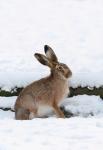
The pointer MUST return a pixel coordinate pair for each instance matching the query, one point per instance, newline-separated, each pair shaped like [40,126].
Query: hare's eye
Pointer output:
[60,68]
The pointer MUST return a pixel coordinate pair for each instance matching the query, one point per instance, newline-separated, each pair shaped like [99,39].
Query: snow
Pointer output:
[73,28]
[7,102]
[49,134]
[83,105]
[83,131]
[6,115]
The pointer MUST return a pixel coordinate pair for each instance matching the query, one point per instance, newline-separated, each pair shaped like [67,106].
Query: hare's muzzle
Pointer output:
[68,74]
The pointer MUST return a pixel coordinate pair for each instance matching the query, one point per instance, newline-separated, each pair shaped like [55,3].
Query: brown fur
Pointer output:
[48,91]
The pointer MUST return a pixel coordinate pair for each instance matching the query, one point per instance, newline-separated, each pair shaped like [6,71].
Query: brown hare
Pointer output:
[45,93]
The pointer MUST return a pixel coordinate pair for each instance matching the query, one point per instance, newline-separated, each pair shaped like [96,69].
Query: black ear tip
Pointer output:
[46,48]
[36,55]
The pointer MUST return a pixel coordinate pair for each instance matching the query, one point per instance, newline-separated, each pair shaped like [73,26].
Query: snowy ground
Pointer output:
[50,134]
[82,132]
[74,28]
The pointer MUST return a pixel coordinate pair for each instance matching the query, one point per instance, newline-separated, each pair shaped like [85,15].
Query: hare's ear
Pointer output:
[50,53]
[42,59]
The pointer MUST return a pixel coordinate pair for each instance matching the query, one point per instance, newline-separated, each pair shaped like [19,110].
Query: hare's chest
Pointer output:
[65,92]
[62,91]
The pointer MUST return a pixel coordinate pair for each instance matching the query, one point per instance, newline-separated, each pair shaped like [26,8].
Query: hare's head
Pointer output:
[52,62]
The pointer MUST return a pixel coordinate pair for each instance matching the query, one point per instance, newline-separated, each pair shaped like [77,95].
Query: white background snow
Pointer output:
[74,29]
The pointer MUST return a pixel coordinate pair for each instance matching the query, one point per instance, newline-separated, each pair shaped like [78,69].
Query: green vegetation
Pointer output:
[73,91]
[86,90]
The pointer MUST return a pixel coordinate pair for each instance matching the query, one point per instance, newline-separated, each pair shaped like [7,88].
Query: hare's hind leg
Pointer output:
[33,114]
[22,114]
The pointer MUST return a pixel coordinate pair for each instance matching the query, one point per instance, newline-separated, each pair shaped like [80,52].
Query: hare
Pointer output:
[45,93]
